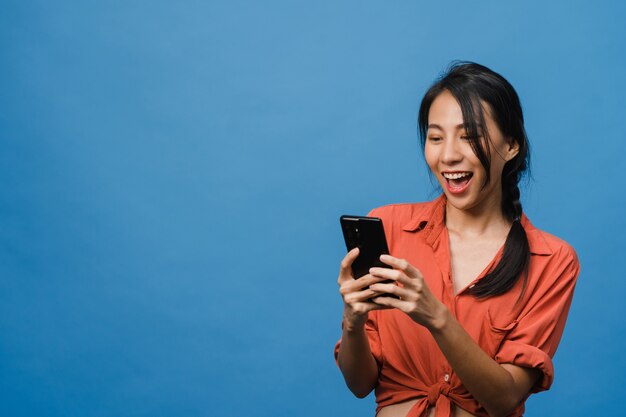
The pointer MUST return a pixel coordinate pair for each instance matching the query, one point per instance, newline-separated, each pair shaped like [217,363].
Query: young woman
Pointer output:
[482,294]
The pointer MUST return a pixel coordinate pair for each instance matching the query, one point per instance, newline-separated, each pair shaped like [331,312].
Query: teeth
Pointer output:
[455,175]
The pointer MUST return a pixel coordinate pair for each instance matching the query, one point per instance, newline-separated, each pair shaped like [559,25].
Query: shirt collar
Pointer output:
[431,221]
[536,241]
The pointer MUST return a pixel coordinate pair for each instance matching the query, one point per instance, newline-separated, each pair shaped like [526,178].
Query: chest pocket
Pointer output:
[494,333]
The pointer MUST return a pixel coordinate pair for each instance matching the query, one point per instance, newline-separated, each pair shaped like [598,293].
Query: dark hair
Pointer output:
[471,84]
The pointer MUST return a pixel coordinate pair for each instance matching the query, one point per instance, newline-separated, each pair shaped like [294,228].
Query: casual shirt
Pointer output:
[524,332]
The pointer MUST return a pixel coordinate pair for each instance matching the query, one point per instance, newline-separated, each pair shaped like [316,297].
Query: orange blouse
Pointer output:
[524,333]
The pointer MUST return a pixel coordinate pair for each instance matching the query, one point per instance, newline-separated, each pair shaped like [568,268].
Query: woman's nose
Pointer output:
[451,152]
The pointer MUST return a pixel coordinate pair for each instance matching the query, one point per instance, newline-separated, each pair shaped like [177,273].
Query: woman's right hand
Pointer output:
[356,293]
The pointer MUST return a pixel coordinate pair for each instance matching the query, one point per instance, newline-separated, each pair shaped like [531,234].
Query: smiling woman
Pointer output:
[481,295]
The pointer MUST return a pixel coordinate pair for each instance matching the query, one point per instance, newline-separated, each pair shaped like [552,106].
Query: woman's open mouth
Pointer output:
[457,181]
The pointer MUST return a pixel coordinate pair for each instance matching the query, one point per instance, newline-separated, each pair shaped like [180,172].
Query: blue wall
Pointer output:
[172,174]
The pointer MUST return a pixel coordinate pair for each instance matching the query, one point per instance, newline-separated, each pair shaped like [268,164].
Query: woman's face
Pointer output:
[451,159]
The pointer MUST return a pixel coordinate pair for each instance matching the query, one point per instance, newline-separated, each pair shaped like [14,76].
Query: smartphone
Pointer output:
[368,234]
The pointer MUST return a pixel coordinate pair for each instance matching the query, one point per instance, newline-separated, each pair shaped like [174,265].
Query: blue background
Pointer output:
[172,174]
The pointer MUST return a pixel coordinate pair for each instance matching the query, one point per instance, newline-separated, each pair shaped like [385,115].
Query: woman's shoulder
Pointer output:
[547,244]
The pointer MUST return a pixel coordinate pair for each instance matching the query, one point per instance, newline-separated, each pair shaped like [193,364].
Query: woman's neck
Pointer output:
[485,219]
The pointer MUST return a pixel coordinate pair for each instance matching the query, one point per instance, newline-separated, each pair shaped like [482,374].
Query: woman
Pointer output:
[483,294]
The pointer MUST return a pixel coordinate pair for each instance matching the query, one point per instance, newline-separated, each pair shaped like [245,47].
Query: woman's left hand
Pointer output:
[415,298]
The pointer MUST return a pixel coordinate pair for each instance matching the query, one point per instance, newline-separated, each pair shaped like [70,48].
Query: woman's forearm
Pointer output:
[354,357]
[495,387]
[356,362]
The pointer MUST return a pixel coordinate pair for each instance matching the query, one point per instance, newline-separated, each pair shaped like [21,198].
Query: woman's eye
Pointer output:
[467,137]
[434,138]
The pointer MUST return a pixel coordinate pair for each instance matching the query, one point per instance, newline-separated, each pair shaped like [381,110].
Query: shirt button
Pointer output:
[446,377]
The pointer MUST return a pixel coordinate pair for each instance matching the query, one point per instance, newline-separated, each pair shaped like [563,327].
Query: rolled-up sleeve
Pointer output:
[371,330]
[534,340]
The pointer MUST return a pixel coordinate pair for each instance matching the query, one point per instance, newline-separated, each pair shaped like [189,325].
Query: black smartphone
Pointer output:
[368,234]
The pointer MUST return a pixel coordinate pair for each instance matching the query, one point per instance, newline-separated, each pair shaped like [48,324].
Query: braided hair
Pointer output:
[471,84]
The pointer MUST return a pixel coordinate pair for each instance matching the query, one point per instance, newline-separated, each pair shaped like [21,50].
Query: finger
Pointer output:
[358,296]
[393,289]
[409,286]
[359,284]
[402,265]
[368,280]
[386,273]
[382,307]
[368,306]
[390,302]
[387,289]
[345,270]
[354,285]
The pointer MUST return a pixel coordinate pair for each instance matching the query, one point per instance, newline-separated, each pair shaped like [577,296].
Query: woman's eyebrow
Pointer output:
[457,127]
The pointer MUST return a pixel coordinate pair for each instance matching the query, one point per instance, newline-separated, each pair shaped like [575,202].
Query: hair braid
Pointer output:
[511,205]
[516,248]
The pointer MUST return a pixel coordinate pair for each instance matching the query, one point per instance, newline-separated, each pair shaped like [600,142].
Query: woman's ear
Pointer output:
[512,150]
